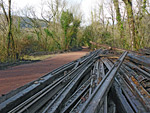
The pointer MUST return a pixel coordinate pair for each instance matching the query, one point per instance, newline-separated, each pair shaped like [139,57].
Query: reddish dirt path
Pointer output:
[17,76]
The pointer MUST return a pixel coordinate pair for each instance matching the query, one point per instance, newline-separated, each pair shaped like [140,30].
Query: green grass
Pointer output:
[41,57]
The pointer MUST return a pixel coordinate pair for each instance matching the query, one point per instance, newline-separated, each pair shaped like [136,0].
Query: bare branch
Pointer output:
[4,11]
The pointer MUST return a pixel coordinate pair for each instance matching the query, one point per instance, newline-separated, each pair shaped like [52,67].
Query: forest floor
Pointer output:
[17,76]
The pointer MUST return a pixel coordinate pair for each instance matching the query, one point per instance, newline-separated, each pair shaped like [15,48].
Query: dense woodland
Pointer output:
[61,28]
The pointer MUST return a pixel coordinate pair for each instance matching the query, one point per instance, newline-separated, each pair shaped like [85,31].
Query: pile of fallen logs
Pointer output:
[100,82]
[145,51]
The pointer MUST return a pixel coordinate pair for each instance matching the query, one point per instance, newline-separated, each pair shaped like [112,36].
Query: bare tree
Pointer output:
[51,15]
[111,11]
[101,15]
[4,11]
[10,39]
[144,7]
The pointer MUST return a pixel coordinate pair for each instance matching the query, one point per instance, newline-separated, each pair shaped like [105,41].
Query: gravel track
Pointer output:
[17,76]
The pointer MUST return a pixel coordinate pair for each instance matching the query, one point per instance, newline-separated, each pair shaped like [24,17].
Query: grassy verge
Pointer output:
[41,57]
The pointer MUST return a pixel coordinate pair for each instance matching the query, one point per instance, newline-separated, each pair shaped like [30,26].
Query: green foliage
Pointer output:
[106,38]
[48,33]
[74,29]
[29,37]
[66,19]
[93,33]
[51,34]
[88,36]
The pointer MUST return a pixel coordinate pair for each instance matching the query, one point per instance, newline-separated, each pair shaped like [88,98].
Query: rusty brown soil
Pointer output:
[18,76]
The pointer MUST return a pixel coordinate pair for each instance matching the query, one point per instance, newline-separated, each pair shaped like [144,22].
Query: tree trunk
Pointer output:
[66,40]
[131,22]
[144,6]
[118,18]
[11,45]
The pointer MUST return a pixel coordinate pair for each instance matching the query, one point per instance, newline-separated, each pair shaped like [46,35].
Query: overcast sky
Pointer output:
[85,5]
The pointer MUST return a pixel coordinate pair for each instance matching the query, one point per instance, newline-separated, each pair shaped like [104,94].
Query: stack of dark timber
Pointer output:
[104,81]
[145,51]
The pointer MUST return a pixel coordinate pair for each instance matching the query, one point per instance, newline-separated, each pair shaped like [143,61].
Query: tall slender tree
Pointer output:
[131,22]
[10,39]
[11,45]
[118,18]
